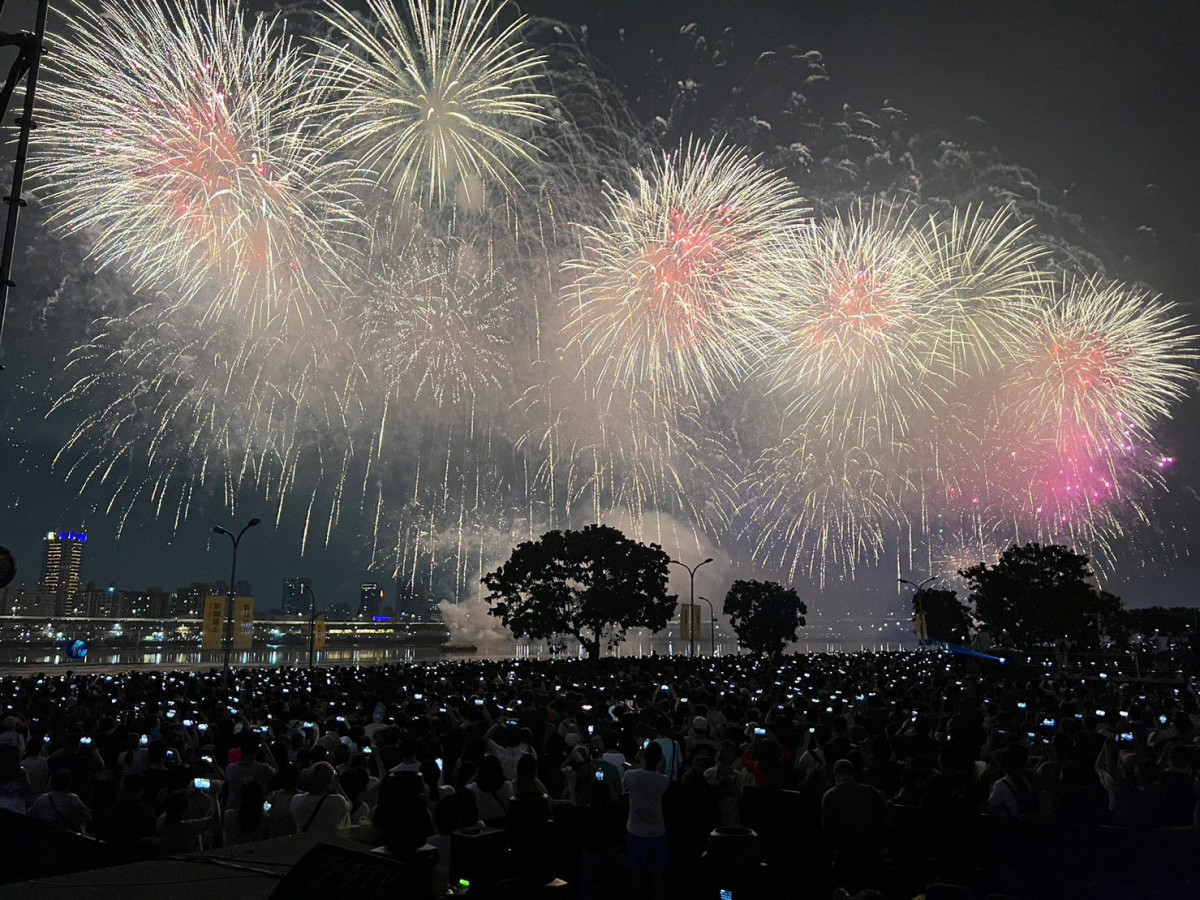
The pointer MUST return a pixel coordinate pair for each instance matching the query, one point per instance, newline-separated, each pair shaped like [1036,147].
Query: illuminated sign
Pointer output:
[381,618]
[79,536]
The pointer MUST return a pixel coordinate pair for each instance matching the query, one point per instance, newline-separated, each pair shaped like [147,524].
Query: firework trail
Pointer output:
[184,149]
[439,320]
[170,413]
[671,292]
[435,105]
[819,508]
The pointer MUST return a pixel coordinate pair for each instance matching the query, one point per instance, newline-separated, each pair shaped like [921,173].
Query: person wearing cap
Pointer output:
[321,809]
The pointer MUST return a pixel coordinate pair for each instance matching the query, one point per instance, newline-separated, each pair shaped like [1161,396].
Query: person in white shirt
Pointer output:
[646,842]
[60,806]
[322,809]
[509,749]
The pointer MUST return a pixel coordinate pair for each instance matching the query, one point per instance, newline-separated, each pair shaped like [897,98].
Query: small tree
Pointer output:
[1038,594]
[582,583]
[765,615]
[947,618]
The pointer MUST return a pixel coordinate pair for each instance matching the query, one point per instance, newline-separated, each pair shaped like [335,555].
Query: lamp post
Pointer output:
[217,529]
[692,577]
[917,598]
[712,627]
[312,623]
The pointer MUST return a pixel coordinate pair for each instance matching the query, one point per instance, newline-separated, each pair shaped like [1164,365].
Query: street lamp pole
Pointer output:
[692,578]
[712,627]
[917,596]
[217,529]
[312,623]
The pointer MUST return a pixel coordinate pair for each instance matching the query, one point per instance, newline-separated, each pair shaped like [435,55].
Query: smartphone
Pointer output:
[170,754]
[479,703]
[143,740]
[1022,704]
[1125,737]
[206,759]
[665,688]
[760,732]
[341,720]
[202,726]
[309,725]
[201,784]
[45,738]
[812,731]
[1049,723]
[266,806]
[188,723]
[591,729]
[441,766]
[599,774]
[1123,713]
[170,713]
[85,742]
[725,894]
[1100,713]
[367,750]
[1162,720]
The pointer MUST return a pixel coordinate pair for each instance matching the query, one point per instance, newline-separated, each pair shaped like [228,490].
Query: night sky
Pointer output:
[1097,99]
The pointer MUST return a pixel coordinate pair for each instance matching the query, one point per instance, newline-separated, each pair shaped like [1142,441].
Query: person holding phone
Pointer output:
[646,853]
[321,809]
[251,820]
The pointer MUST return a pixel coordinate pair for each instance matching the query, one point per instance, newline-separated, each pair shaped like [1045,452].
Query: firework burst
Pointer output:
[439,320]
[819,508]
[857,348]
[184,150]
[435,105]
[1099,360]
[671,292]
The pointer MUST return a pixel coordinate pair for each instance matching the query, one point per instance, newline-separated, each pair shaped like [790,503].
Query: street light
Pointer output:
[917,599]
[692,576]
[217,529]
[712,627]
[312,622]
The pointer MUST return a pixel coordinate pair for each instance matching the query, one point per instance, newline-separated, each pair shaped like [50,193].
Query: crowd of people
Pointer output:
[639,764]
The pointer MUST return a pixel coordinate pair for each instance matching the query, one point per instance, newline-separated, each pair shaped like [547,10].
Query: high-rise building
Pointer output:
[370,598]
[188,602]
[100,603]
[294,601]
[62,561]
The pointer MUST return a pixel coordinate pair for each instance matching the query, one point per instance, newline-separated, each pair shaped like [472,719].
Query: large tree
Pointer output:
[947,618]
[1039,594]
[765,615]
[583,583]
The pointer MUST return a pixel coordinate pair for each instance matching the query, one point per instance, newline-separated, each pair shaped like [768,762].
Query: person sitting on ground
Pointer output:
[321,809]
[250,820]
[60,805]
[176,834]
[14,782]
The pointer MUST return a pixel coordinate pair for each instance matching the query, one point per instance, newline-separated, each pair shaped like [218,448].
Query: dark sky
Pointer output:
[1097,98]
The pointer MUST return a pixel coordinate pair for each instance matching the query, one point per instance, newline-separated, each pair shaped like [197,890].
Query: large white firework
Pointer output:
[186,149]
[436,103]
[671,294]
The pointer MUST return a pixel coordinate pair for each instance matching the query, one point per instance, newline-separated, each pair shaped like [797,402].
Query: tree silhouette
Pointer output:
[765,615]
[947,618]
[1039,594]
[582,583]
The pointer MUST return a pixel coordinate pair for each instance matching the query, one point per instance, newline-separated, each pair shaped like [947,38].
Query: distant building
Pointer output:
[243,589]
[370,599]
[188,602]
[294,601]
[100,603]
[62,562]
[337,612]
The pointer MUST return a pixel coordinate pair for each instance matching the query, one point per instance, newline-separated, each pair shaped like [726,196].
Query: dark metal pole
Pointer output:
[30,54]
[712,627]
[691,606]
[228,642]
[312,625]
